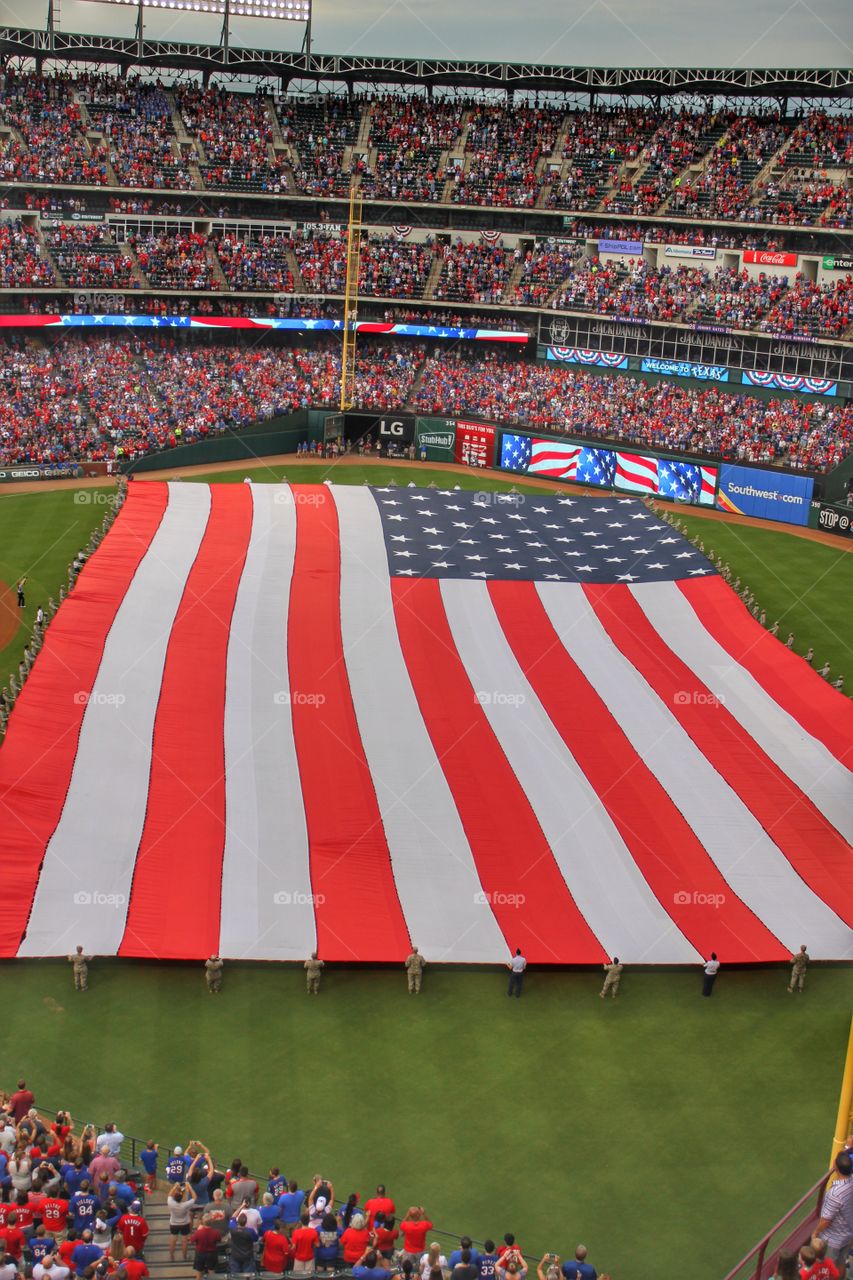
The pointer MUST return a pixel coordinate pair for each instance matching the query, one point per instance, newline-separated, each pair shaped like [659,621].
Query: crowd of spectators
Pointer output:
[87,256]
[662,415]
[179,261]
[93,131]
[543,269]
[473,272]
[812,309]
[73,1205]
[259,263]
[22,264]
[99,395]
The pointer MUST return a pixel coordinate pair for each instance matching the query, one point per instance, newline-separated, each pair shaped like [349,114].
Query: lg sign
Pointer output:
[400,430]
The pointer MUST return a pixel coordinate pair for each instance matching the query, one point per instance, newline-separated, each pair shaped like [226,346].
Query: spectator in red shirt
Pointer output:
[54,1214]
[277,1251]
[380,1203]
[385,1233]
[13,1237]
[814,1264]
[414,1227]
[132,1267]
[21,1101]
[304,1241]
[133,1228]
[205,1240]
[355,1239]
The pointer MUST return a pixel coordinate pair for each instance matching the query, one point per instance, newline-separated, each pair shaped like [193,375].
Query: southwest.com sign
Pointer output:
[769,495]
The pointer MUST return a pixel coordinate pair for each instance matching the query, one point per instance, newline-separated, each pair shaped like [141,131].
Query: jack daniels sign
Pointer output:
[701,344]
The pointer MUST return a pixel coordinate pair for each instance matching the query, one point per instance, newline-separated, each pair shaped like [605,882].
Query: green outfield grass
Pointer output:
[807,585]
[40,534]
[664,1131]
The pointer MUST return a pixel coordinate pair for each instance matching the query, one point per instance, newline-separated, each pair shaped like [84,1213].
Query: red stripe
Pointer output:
[358,911]
[810,843]
[812,702]
[38,754]
[179,862]
[510,850]
[660,840]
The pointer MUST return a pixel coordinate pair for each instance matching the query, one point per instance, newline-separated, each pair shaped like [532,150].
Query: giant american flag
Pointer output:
[270,719]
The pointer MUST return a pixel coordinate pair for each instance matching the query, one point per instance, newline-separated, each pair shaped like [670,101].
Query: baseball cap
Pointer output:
[179,1151]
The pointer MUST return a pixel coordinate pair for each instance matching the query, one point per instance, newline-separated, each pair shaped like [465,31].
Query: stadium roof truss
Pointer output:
[131,52]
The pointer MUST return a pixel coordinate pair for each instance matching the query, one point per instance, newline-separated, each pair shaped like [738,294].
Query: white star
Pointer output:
[406,573]
[639,516]
[440,564]
[693,572]
[488,520]
[514,517]
[475,557]
[685,555]
[432,531]
[436,546]
[514,566]
[408,554]
[566,502]
[655,526]
[626,539]
[663,541]
[603,510]
[481,573]
[625,577]
[589,533]
[616,525]
[584,568]
[622,501]
[418,497]
[534,544]
[450,507]
[460,524]
[578,520]
[469,542]
[615,560]
[399,537]
[551,526]
[546,559]
[445,493]
[554,577]
[389,502]
[601,546]
[398,517]
[564,539]
[542,511]
[498,537]
[655,566]
[642,552]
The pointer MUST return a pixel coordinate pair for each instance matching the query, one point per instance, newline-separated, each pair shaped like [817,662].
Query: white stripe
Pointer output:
[434,869]
[598,868]
[267,907]
[757,871]
[807,762]
[84,887]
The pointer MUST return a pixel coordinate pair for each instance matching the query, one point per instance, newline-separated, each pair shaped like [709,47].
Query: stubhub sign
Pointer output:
[769,495]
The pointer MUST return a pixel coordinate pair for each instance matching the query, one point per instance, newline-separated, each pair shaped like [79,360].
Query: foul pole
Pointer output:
[351,298]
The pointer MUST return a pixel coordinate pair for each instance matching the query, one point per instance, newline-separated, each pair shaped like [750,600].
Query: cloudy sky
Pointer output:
[766,33]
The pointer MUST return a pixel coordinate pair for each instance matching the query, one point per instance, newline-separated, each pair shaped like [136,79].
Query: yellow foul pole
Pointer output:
[351,298]
[845,1103]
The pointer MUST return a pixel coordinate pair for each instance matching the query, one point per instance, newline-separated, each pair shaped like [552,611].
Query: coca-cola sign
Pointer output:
[770,258]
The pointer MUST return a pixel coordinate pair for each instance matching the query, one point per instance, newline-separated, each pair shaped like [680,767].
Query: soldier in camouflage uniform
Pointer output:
[313,973]
[80,964]
[799,964]
[613,974]
[414,971]
[213,974]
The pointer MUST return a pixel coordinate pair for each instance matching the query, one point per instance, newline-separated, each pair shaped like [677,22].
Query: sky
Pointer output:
[647,33]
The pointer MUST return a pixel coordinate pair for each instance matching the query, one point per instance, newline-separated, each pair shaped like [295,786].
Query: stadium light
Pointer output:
[292,10]
[288,10]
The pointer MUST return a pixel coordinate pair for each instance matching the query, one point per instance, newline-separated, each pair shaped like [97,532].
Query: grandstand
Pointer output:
[639,281]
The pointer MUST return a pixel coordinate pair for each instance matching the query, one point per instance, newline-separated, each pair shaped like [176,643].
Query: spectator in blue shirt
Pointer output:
[488,1260]
[176,1166]
[370,1267]
[85,1253]
[40,1245]
[277,1184]
[74,1174]
[456,1256]
[578,1268]
[291,1205]
[148,1159]
[269,1213]
[83,1206]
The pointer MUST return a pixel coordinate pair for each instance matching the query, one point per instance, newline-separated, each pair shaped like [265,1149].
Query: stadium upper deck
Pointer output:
[712,164]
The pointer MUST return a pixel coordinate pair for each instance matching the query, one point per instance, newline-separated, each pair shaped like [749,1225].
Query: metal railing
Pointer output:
[790,1232]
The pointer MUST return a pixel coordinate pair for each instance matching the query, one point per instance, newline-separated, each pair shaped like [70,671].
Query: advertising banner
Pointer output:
[675,479]
[769,495]
[789,382]
[575,355]
[436,437]
[620,246]
[686,369]
[769,258]
[836,263]
[689,251]
[295,324]
[833,519]
[59,471]
[475,443]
